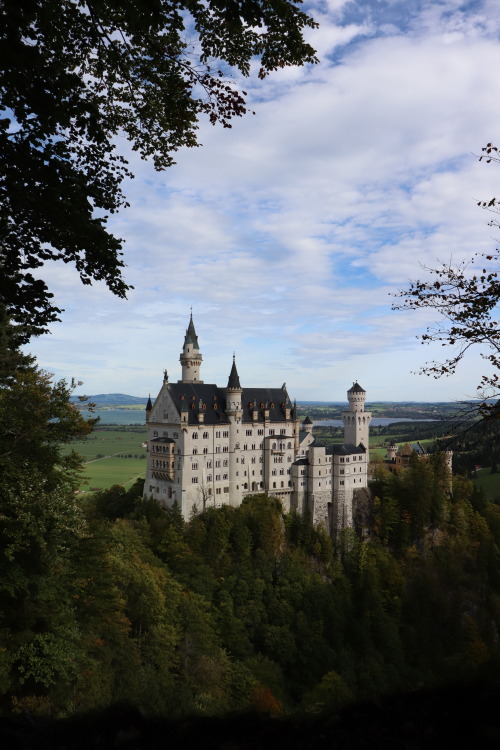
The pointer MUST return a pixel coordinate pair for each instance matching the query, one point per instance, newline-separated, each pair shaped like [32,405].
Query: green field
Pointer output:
[489,482]
[103,467]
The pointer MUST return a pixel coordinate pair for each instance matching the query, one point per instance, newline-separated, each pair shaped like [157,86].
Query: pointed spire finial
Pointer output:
[234,380]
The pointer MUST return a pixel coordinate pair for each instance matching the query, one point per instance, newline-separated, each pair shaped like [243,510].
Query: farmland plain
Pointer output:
[111,456]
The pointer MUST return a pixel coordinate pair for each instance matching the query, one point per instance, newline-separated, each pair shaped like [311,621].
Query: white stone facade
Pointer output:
[211,446]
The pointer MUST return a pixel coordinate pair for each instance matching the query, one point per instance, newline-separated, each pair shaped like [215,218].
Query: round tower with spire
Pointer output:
[191,358]
[356,420]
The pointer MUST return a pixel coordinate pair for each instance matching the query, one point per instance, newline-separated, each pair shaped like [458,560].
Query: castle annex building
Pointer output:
[209,446]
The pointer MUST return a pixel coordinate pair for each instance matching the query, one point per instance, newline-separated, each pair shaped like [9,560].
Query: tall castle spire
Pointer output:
[234,378]
[191,358]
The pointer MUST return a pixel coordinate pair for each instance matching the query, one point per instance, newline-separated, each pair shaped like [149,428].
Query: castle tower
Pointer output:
[191,358]
[356,420]
[234,414]
[307,425]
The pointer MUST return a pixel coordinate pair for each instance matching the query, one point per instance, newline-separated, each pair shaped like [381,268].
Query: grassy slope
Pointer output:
[105,472]
[489,482]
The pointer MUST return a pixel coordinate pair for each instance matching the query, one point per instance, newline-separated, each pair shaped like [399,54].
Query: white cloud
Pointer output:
[288,232]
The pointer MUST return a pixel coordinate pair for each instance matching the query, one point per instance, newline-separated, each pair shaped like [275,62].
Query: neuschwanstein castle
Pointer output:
[209,446]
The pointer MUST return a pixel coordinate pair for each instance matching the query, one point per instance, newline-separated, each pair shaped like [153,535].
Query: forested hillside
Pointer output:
[249,608]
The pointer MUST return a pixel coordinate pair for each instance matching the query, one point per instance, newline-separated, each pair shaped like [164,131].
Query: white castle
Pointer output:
[210,446]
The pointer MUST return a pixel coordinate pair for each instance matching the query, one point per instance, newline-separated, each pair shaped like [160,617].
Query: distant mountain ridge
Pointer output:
[113,399]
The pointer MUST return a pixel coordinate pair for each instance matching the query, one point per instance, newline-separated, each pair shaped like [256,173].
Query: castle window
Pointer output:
[194,466]
[225,449]
[217,464]
[274,485]
[217,490]
[226,489]
[209,464]
[342,471]
[319,472]
[253,446]
[176,434]
[205,435]
[274,472]
[282,432]
[217,434]
[282,471]
[193,405]
[224,463]
[205,450]
[194,480]
[354,458]
[225,434]
[289,445]
[224,476]
[217,448]
[341,481]
[260,432]
[245,446]
[282,484]
[271,405]
[341,460]
[209,478]
[271,432]
[195,451]
[249,432]
[242,460]
[274,446]
[217,477]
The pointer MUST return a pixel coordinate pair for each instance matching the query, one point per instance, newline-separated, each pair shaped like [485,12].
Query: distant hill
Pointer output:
[113,399]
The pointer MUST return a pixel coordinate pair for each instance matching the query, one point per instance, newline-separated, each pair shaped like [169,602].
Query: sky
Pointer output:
[289,233]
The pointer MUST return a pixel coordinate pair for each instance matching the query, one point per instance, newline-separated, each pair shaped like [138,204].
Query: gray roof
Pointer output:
[234,380]
[307,420]
[162,440]
[191,337]
[417,448]
[344,450]
[356,388]
[186,397]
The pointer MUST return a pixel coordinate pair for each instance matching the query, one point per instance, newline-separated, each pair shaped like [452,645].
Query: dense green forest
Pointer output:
[110,598]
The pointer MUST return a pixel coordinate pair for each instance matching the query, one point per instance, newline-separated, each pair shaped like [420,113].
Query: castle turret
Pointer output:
[234,414]
[191,358]
[307,425]
[356,420]
[149,406]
